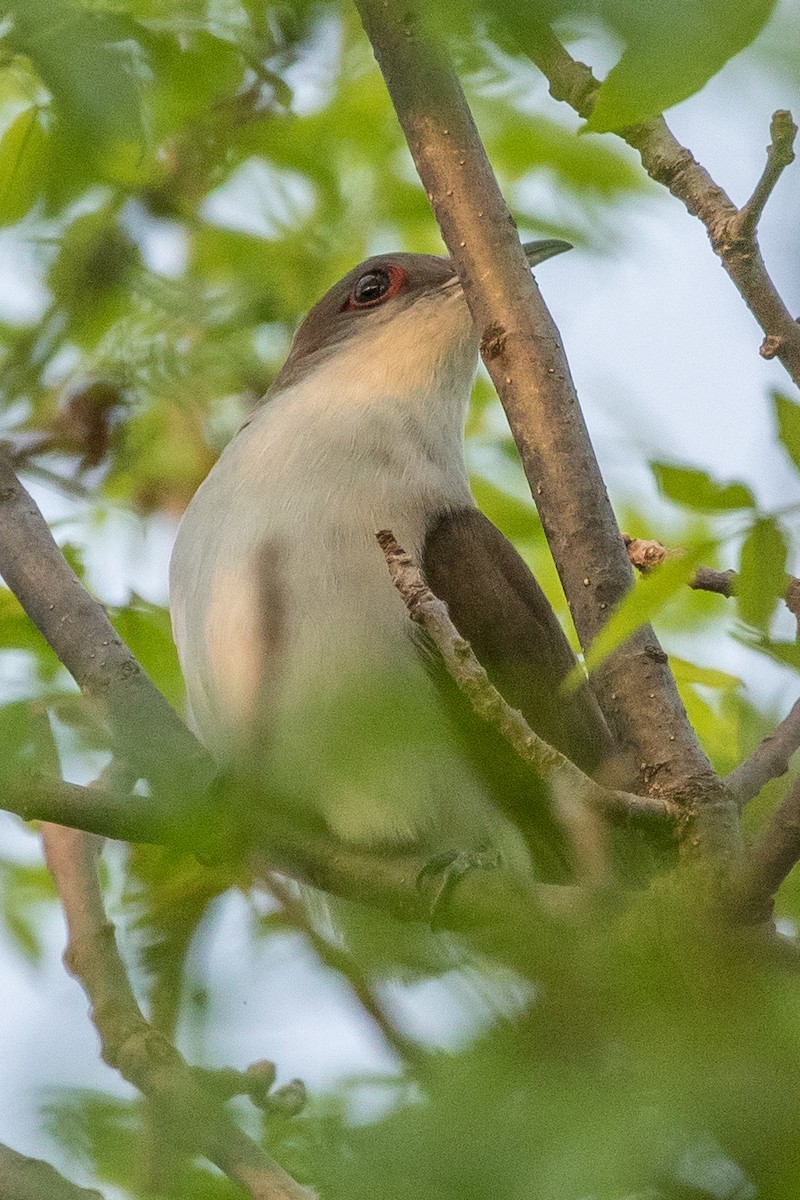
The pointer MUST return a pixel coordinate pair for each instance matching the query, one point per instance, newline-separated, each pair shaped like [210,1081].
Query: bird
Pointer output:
[296,649]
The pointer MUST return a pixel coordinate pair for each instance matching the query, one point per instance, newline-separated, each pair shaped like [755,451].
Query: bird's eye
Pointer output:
[371,287]
[381,283]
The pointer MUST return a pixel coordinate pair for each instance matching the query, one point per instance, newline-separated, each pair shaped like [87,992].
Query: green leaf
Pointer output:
[693,488]
[22,154]
[762,573]
[787,415]
[673,48]
[517,518]
[646,598]
[785,653]
[710,677]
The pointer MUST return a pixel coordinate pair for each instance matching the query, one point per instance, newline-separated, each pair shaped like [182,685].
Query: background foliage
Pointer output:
[178,181]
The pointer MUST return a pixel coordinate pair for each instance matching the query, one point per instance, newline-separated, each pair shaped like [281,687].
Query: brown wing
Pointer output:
[498,606]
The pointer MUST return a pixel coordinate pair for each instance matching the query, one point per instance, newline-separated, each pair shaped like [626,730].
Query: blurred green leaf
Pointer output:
[711,677]
[22,152]
[693,488]
[762,573]
[83,57]
[644,601]
[787,416]
[672,50]
[517,518]
[24,889]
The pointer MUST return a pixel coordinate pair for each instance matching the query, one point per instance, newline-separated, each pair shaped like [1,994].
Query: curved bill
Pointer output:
[537,252]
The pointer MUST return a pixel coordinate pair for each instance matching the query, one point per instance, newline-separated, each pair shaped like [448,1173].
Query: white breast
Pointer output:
[285,617]
[288,517]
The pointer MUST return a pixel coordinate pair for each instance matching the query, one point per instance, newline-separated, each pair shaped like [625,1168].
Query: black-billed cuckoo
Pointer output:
[285,618]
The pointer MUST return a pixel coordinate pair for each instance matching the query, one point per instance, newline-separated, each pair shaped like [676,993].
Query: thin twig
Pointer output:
[143,1056]
[769,760]
[550,764]
[646,554]
[23,1178]
[666,161]
[780,154]
[337,959]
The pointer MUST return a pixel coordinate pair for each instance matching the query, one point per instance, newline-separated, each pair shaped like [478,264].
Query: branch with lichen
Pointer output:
[131,1045]
[731,230]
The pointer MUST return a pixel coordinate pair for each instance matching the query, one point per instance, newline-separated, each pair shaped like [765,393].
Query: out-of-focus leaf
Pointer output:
[673,48]
[95,259]
[24,889]
[22,153]
[535,144]
[710,677]
[518,519]
[146,629]
[693,488]
[717,726]
[18,742]
[762,573]
[82,58]
[787,415]
[785,653]
[645,599]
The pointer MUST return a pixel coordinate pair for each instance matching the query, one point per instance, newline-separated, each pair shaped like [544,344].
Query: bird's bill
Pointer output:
[537,252]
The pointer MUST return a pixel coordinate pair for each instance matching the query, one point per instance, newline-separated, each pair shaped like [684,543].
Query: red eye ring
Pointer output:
[397,279]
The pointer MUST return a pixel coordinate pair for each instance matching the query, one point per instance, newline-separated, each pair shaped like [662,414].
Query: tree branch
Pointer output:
[780,154]
[771,858]
[523,352]
[131,1045]
[732,231]
[769,760]
[549,764]
[646,555]
[23,1178]
[146,732]
[486,897]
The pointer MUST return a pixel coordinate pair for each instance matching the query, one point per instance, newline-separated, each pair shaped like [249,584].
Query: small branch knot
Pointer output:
[770,346]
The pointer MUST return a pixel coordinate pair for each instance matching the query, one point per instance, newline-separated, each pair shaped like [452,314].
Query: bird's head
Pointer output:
[400,319]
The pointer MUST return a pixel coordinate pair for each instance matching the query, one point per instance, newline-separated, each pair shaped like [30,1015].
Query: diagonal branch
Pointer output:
[23,1178]
[732,231]
[780,155]
[145,730]
[550,764]
[769,760]
[772,857]
[131,1045]
[524,355]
